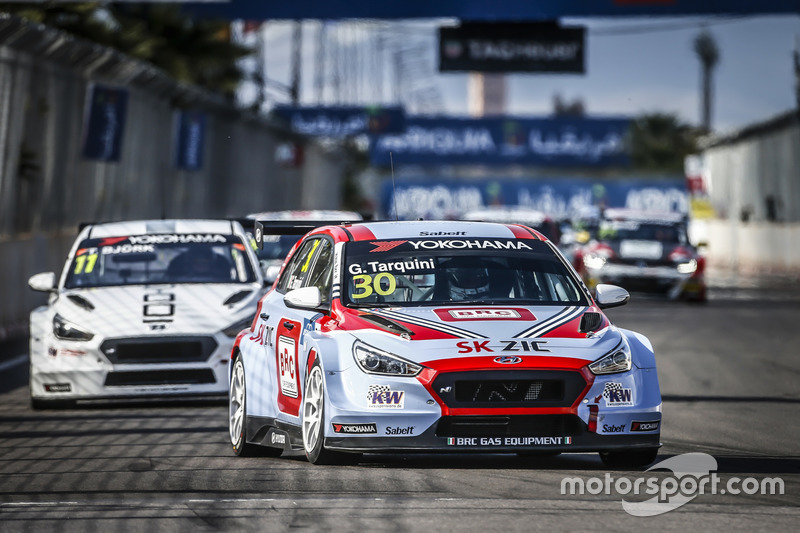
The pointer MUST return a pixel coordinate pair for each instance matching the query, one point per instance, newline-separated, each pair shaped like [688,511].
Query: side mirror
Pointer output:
[608,296]
[44,282]
[305,298]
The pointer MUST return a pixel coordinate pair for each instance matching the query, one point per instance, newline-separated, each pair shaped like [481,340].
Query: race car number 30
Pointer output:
[287,367]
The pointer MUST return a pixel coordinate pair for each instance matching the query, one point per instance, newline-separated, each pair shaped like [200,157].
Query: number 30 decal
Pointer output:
[366,283]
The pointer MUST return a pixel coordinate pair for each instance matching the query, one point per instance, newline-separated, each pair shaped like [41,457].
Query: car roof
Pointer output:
[310,214]
[155,226]
[410,229]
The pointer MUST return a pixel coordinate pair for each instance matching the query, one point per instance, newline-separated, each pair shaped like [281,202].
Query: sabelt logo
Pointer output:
[645,426]
[355,428]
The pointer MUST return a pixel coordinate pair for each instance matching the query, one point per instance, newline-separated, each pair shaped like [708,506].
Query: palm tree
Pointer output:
[660,142]
[706,49]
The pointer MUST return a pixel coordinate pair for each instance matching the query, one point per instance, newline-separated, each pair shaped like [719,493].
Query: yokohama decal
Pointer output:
[385,246]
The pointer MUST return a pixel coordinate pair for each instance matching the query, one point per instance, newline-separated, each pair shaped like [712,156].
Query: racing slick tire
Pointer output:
[314,420]
[237,417]
[629,458]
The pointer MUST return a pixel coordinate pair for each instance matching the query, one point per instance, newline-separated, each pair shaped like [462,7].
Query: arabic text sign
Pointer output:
[342,121]
[506,141]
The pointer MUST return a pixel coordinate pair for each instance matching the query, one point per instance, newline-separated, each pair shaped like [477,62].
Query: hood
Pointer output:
[170,309]
[475,331]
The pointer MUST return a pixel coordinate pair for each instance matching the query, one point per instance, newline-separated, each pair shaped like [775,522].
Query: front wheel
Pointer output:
[629,458]
[237,419]
[314,419]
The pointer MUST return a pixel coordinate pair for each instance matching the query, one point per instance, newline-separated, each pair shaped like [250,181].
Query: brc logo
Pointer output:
[287,366]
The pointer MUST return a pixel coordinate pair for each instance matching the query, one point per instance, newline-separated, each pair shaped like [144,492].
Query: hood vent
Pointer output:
[389,325]
[81,302]
[237,297]
[590,321]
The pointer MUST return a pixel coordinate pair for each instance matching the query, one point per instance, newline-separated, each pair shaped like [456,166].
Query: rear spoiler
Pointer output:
[289,227]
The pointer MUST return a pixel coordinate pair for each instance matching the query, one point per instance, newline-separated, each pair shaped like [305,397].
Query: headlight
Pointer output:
[618,360]
[234,329]
[68,331]
[374,361]
[687,268]
[594,262]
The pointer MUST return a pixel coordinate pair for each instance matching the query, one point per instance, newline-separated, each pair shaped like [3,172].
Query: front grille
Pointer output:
[191,376]
[509,391]
[503,389]
[509,426]
[159,350]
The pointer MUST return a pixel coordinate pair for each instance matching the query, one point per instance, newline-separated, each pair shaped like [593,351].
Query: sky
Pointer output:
[633,66]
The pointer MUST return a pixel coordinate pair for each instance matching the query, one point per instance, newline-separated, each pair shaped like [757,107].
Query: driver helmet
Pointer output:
[468,282]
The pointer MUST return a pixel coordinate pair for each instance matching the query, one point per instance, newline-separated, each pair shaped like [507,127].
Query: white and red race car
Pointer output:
[432,336]
[145,308]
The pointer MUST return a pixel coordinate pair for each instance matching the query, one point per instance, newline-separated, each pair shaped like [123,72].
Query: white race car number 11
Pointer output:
[286,366]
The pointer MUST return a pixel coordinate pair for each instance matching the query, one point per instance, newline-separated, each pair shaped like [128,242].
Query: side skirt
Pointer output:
[268,431]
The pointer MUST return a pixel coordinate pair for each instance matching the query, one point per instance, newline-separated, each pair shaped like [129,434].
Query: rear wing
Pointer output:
[288,227]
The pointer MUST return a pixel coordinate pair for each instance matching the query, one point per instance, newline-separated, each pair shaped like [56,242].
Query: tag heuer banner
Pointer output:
[511,47]
[550,142]
[104,122]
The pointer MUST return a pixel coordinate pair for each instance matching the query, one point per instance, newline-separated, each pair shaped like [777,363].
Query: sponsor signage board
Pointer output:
[512,47]
[506,140]
[104,122]
[342,121]
[189,145]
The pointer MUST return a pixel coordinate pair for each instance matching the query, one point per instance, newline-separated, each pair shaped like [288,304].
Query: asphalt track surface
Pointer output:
[729,374]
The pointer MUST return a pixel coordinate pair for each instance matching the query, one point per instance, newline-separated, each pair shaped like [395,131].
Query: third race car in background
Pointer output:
[644,252]
[275,246]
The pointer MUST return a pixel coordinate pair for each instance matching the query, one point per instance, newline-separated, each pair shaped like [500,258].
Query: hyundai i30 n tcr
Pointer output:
[440,337]
[143,308]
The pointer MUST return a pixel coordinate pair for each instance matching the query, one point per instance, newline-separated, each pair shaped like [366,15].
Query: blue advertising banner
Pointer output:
[578,142]
[434,199]
[190,142]
[104,122]
[480,9]
[342,121]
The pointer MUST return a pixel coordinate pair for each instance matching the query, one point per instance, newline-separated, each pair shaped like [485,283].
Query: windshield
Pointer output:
[422,272]
[276,247]
[645,231]
[159,259]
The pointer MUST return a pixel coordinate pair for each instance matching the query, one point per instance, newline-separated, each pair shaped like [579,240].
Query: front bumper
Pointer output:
[81,371]
[617,411]
[656,279]
[436,438]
